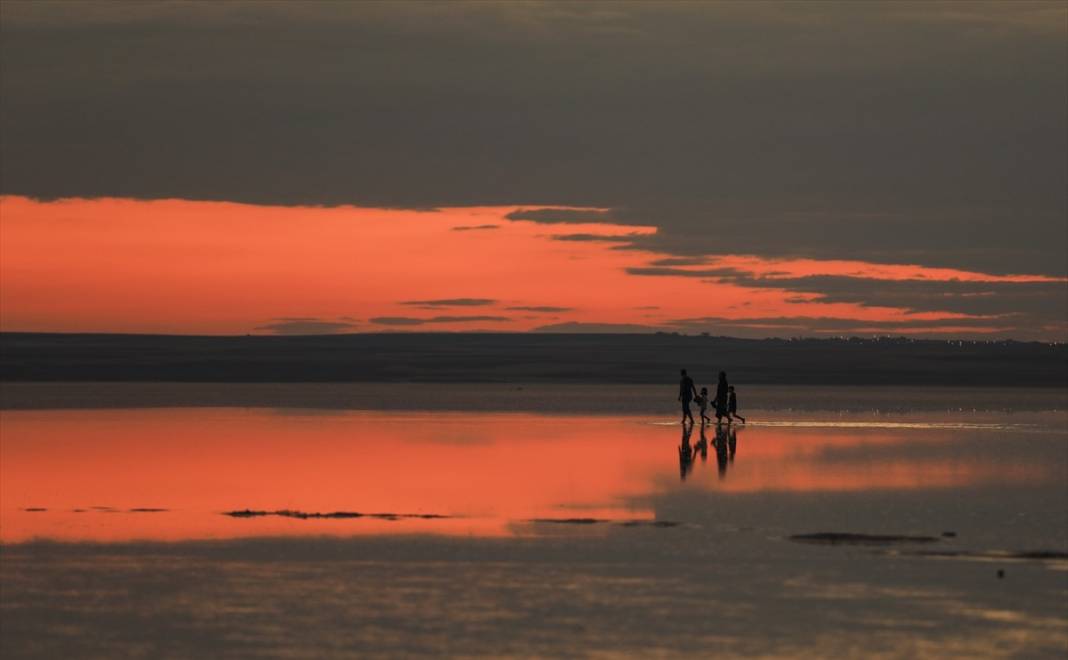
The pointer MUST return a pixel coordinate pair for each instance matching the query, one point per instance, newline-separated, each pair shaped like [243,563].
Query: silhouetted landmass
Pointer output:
[526,358]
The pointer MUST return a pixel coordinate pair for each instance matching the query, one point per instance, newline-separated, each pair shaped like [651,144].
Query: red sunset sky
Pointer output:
[171,266]
[749,169]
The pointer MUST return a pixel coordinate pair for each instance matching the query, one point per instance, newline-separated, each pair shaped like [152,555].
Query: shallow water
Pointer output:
[172,474]
[552,534]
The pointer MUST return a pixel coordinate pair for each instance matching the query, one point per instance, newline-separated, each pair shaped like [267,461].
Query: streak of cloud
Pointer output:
[451,302]
[412,321]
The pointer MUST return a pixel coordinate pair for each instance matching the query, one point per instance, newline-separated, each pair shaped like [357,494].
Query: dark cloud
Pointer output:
[599,328]
[705,273]
[409,320]
[1027,301]
[1028,304]
[784,326]
[306,326]
[679,261]
[475,227]
[561,215]
[605,238]
[451,302]
[929,133]
[540,308]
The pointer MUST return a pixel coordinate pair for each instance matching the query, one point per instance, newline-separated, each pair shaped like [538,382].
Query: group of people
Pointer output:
[725,402]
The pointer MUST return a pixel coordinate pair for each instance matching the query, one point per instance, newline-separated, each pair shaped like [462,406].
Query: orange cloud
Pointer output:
[176,266]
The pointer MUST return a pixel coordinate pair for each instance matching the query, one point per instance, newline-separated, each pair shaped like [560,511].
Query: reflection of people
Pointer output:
[685,452]
[721,397]
[732,443]
[702,445]
[732,405]
[687,392]
[721,450]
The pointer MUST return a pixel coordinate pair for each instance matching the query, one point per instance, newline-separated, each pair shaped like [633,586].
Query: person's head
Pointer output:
[704,390]
[682,372]
[723,376]
[730,388]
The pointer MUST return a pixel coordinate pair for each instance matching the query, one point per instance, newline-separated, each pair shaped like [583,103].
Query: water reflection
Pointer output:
[686,452]
[170,473]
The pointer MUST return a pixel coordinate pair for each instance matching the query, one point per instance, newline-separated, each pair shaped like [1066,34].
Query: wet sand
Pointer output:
[875,529]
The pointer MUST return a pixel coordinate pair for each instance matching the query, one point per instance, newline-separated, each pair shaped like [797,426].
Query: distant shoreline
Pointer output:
[890,403]
[527,358]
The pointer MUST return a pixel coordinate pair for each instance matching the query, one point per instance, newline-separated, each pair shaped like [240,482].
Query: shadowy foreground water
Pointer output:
[173,532]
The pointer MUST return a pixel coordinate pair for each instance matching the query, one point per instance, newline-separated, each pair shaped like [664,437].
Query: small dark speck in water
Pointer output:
[147,510]
[35,509]
[1001,574]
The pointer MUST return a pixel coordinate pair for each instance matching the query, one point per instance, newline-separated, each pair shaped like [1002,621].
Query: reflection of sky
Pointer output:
[173,266]
[487,470]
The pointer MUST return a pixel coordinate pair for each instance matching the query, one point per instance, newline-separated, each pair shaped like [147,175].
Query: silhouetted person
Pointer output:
[732,406]
[685,452]
[687,392]
[721,397]
[721,450]
[702,401]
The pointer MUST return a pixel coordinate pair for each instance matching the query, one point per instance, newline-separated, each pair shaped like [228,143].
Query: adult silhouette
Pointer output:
[687,393]
[722,397]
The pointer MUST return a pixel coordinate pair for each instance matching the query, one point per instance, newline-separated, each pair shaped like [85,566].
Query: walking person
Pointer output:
[732,406]
[687,393]
[721,397]
[702,403]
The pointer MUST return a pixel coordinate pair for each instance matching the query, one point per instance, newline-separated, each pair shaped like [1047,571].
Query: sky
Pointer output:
[747,169]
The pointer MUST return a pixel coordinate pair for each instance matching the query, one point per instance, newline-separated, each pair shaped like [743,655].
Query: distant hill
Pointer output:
[547,358]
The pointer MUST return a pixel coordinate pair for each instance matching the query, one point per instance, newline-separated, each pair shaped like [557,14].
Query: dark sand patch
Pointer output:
[650,523]
[569,521]
[844,538]
[1037,555]
[596,521]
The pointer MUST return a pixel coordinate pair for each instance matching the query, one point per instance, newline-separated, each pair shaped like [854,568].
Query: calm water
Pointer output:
[171,474]
[538,533]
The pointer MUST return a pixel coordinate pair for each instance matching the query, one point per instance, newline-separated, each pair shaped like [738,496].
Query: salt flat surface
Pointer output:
[548,533]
